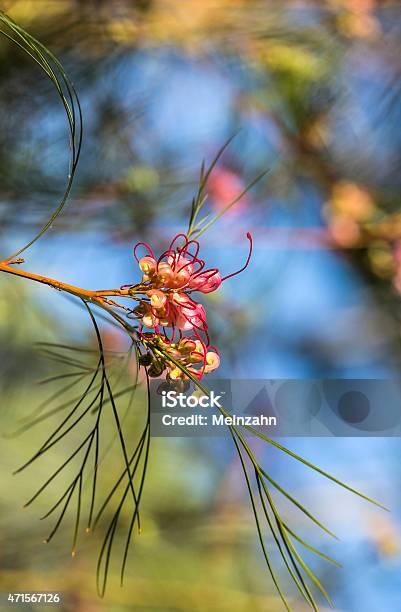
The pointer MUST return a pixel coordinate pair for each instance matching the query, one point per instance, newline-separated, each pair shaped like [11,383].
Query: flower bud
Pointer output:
[186,345]
[149,320]
[174,353]
[196,357]
[175,374]
[156,368]
[165,274]
[158,299]
[181,278]
[212,361]
[181,299]
[148,265]
[190,314]
[206,282]
[145,359]
[195,316]
[198,354]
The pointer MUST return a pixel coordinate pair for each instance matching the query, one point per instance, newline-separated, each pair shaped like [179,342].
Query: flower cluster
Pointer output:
[167,307]
[190,352]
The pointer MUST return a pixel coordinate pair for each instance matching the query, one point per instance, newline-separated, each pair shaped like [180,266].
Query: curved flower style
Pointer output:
[169,308]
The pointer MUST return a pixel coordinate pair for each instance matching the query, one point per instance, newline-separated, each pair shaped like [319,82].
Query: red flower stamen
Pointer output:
[147,247]
[244,267]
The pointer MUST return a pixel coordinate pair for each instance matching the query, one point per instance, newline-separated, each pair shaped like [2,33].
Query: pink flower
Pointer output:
[206,282]
[183,270]
[189,314]
[168,285]
[224,187]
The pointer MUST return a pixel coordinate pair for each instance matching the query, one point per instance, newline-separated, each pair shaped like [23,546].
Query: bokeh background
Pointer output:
[312,88]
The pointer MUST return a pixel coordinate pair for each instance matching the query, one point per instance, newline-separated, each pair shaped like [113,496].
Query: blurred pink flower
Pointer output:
[224,186]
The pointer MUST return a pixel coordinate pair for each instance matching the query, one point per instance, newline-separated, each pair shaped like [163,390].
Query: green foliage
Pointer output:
[69,99]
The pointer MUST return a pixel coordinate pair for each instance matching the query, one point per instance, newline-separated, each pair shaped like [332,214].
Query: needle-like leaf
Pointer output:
[69,99]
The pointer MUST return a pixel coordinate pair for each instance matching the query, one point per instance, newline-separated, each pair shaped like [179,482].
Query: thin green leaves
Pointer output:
[257,520]
[314,467]
[93,421]
[283,535]
[69,99]
[197,227]
[201,195]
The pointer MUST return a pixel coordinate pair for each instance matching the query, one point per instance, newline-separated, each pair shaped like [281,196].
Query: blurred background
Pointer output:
[312,88]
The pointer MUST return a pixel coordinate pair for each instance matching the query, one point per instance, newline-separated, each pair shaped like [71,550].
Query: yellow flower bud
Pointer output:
[212,361]
[148,265]
[175,374]
[150,321]
[158,299]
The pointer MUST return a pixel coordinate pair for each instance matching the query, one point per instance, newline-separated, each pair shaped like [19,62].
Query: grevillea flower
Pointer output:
[168,307]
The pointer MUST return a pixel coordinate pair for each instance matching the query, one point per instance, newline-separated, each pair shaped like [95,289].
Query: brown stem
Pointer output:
[78,291]
[95,297]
